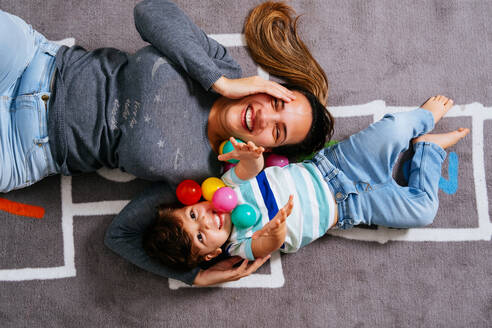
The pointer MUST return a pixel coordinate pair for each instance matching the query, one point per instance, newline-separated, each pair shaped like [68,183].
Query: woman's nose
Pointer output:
[265,119]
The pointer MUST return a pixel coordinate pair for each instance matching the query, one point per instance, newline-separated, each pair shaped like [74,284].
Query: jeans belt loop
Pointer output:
[41,141]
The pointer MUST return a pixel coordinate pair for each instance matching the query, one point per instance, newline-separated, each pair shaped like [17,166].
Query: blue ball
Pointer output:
[243,216]
[228,147]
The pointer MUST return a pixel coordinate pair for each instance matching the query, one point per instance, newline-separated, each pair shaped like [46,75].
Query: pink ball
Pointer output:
[228,166]
[224,199]
[276,160]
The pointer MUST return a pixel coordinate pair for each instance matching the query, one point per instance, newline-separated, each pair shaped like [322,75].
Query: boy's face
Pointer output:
[207,229]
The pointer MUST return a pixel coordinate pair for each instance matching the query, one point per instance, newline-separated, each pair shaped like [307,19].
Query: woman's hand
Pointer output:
[224,271]
[239,88]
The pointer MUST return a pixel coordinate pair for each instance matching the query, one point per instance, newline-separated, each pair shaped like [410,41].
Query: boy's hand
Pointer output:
[250,159]
[243,151]
[277,227]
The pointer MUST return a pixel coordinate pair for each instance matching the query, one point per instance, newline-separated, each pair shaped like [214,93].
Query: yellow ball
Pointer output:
[210,186]
[221,147]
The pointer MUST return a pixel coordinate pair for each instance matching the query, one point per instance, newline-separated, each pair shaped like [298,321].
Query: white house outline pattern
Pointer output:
[275,279]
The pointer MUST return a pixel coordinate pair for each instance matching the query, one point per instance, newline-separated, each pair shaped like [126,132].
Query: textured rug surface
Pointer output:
[379,56]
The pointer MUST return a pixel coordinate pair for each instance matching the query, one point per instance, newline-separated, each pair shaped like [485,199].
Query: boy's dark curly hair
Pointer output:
[166,241]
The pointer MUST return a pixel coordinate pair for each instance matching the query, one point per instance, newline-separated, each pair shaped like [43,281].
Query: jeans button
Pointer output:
[339,195]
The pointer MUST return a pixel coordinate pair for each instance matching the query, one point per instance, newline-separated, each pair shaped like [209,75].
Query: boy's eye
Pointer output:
[192,215]
[200,238]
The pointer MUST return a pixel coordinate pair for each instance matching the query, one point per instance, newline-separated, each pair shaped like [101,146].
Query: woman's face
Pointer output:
[265,120]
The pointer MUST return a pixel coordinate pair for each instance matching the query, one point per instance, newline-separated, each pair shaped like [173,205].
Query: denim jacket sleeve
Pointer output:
[124,235]
[167,28]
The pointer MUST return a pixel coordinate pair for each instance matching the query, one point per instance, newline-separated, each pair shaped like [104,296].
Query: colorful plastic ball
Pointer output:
[188,192]
[276,160]
[210,186]
[243,216]
[224,199]
[228,166]
[228,147]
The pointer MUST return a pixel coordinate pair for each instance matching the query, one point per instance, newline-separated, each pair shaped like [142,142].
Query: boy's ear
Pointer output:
[213,254]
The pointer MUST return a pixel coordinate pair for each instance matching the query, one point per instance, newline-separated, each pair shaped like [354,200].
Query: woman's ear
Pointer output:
[213,254]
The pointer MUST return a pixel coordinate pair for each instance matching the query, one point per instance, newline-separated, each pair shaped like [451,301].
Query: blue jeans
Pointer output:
[27,65]
[359,173]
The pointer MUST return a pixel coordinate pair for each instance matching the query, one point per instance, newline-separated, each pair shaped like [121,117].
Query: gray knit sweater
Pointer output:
[145,113]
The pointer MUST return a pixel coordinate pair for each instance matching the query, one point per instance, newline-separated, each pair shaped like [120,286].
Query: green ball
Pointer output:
[228,147]
[243,216]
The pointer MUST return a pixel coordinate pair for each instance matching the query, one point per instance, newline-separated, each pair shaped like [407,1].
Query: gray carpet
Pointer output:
[379,56]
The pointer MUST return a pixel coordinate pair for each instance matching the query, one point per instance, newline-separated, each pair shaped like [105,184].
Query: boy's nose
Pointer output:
[207,222]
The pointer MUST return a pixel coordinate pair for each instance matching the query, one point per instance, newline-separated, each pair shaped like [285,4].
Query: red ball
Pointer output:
[188,192]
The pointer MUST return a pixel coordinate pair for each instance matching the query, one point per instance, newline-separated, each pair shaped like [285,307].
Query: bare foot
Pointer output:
[444,140]
[438,106]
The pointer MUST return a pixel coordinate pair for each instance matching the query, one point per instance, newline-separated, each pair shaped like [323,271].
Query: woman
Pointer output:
[145,112]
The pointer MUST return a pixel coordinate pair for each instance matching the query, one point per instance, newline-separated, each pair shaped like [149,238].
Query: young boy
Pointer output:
[342,186]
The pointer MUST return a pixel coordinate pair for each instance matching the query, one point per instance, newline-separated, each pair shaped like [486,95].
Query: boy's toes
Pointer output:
[449,103]
[442,99]
[457,135]
[463,131]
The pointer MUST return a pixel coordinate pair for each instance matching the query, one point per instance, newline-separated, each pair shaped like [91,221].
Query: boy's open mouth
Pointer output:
[219,221]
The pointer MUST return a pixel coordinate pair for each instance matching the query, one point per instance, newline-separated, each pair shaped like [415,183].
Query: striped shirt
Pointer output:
[312,214]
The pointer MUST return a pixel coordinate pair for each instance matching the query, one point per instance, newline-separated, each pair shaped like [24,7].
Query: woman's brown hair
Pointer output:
[271,35]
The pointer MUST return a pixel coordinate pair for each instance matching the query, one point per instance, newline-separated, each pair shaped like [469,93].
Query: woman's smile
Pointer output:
[248,118]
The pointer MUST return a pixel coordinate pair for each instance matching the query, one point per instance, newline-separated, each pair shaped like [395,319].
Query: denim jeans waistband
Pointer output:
[47,56]
[42,68]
